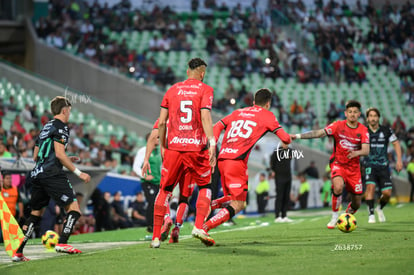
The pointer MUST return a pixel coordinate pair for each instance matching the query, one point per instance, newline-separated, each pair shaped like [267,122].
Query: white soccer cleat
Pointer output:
[278,220]
[203,236]
[380,213]
[371,219]
[155,243]
[332,223]
[286,219]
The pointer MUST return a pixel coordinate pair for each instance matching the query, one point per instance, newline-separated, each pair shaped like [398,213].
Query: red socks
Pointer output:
[220,202]
[222,216]
[203,206]
[160,208]
[336,202]
[182,211]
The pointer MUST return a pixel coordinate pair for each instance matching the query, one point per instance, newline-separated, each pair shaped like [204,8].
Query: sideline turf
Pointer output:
[305,246]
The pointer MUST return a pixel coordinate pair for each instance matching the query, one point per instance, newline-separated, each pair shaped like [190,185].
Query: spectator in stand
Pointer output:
[139,211]
[18,126]
[26,114]
[399,128]
[332,113]
[284,117]
[311,170]
[119,216]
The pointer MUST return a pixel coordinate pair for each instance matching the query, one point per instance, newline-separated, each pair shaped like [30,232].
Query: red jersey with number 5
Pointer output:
[346,139]
[244,127]
[184,101]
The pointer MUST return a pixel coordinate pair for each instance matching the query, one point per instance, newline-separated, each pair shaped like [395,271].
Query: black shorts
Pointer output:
[57,187]
[378,175]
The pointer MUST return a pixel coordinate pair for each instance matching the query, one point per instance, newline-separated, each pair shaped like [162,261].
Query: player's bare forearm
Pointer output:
[397,148]
[162,126]
[364,150]
[310,134]
[207,123]
[151,143]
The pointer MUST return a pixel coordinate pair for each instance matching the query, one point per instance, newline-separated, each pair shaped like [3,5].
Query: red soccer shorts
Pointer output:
[196,163]
[351,176]
[186,183]
[234,178]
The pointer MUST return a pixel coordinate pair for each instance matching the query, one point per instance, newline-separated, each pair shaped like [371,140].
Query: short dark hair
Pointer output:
[58,103]
[262,96]
[5,173]
[352,103]
[373,109]
[195,63]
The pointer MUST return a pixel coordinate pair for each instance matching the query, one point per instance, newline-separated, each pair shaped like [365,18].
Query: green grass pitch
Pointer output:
[253,246]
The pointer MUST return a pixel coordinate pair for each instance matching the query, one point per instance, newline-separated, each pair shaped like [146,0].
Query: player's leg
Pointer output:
[39,200]
[287,185]
[353,185]
[60,189]
[182,212]
[220,202]
[236,186]
[199,167]
[384,199]
[385,186]
[166,226]
[171,166]
[369,199]
[337,188]
[73,215]
[28,228]
[370,193]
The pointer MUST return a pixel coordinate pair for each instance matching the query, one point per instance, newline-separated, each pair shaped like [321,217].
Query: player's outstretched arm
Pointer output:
[284,137]
[309,135]
[64,159]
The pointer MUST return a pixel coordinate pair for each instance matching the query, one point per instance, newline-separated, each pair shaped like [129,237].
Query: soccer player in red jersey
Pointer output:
[186,189]
[243,128]
[190,143]
[351,142]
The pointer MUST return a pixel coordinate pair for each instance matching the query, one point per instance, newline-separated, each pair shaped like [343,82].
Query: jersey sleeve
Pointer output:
[393,138]
[165,101]
[330,130]
[365,136]
[217,129]
[207,99]
[156,124]
[59,135]
[278,130]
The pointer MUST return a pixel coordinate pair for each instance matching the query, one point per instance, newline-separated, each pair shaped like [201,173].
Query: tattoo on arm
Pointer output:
[313,134]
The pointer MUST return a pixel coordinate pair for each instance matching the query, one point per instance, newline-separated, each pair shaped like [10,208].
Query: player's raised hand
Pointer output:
[292,136]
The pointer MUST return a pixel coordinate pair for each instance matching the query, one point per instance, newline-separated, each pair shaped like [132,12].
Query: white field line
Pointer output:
[38,252]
